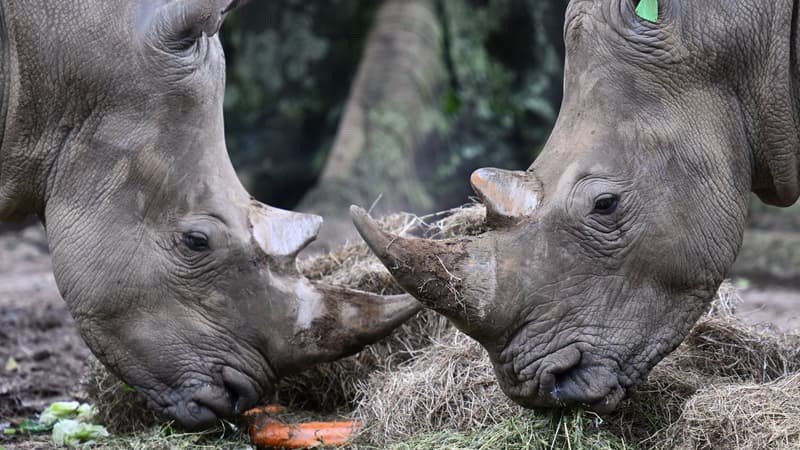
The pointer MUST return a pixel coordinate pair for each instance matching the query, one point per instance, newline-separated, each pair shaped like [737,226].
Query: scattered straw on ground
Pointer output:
[752,415]
[450,386]
[729,385]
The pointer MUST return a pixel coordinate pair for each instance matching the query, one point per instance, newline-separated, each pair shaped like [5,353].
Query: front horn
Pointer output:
[333,322]
[449,276]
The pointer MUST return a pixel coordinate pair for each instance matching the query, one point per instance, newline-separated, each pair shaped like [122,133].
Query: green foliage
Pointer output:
[505,61]
[291,64]
[388,131]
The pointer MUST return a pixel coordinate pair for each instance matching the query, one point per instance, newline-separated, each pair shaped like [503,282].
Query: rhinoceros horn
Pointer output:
[509,196]
[322,322]
[333,322]
[450,276]
[457,277]
[282,234]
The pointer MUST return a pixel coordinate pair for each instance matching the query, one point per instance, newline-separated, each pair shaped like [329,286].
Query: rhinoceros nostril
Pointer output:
[566,389]
[593,386]
[212,398]
[556,392]
[240,389]
[193,408]
[194,415]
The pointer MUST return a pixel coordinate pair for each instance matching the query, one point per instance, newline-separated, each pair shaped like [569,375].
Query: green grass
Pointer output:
[159,438]
[577,431]
[167,438]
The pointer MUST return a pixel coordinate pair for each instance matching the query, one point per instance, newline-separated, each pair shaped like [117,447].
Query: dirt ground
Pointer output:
[771,304]
[36,330]
[48,357]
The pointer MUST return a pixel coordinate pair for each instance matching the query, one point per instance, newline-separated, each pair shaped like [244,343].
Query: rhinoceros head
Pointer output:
[602,255]
[180,282]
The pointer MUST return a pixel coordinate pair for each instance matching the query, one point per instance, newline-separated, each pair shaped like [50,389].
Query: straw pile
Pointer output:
[728,385]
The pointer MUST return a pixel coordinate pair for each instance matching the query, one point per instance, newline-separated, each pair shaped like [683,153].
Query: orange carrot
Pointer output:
[269,409]
[305,435]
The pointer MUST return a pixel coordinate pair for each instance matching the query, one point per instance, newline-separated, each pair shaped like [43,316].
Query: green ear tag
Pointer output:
[648,10]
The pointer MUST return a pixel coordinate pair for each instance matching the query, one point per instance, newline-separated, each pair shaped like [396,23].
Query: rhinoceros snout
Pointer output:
[595,388]
[202,407]
[196,414]
[244,395]
[567,378]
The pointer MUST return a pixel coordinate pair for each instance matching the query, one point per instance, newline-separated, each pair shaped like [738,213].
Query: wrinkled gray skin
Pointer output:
[609,247]
[178,280]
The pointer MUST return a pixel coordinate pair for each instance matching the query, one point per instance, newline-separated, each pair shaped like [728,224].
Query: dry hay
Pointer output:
[729,385]
[118,406]
[449,386]
[719,389]
[333,387]
[751,415]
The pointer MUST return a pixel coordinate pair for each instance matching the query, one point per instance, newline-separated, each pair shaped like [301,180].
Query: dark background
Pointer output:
[291,64]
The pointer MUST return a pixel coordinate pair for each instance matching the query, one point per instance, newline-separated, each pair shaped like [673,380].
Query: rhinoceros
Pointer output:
[602,254]
[179,281]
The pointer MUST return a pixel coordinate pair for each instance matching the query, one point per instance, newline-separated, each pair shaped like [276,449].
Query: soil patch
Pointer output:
[42,357]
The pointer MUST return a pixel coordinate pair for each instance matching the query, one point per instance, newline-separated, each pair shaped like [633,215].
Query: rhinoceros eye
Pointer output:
[606,204]
[195,240]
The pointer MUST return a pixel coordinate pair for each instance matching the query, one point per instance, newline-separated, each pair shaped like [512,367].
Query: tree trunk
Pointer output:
[399,79]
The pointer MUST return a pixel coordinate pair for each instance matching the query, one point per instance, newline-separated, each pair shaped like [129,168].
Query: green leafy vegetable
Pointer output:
[648,10]
[32,426]
[66,410]
[11,364]
[67,420]
[71,432]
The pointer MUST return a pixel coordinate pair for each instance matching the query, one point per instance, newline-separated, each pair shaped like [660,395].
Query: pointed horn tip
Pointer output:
[365,224]
[484,183]
[283,233]
[407,304]
[480,178]
[397,306]
[316,223]
[357,212]
[375,237]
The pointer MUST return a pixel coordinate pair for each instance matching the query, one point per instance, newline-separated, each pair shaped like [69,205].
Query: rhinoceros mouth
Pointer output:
[200,404]
[568,377]
[202,408]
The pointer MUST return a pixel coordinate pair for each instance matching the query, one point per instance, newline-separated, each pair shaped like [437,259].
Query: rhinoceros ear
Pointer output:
[180,23]
[509,196]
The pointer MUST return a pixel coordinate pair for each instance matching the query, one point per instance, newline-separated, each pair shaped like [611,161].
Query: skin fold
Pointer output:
[179,281]
[602,255]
